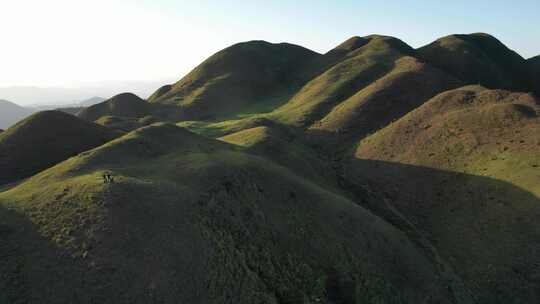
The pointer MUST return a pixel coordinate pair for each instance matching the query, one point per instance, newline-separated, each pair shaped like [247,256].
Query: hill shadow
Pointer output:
[485,228]
[29,261]
[488,237]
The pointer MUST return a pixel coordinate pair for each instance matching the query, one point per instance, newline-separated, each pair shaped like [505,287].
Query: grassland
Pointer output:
[481,210]
[198,220]
[44,139]
[479,59]
[273,174]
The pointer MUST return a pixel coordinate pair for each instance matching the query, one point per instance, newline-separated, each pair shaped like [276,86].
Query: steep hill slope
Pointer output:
[11,113]
[249,74]
[125,104]
[373,57]
[45,139]
[195,220]
[319,64]
[479,59]
[464,168]
[406,86]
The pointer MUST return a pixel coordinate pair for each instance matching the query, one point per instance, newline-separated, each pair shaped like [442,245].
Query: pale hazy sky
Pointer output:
[74,42]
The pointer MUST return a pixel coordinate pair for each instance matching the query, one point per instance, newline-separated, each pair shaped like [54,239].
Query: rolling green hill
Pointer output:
[244,75]
[406,86]
[478,59]
[372,60]
[196,220]
[123,105]
[464,168]
[45,139]
[373,173]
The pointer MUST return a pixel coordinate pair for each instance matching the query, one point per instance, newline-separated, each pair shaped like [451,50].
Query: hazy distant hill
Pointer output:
[71,108]
[11,113]
[29,95]
[373,173]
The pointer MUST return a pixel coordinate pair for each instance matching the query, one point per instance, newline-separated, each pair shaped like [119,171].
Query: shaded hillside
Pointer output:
[535,62]
[534,65]
[374,57]
[11,113]
[479,59]
[406,86]
[195,220]
[125,104]
[43,140]
[243,75]
[349,45]
[464,168]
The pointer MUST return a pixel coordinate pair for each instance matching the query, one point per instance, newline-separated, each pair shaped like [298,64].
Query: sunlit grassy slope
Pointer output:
[365,64]
[406,86]
[219,86]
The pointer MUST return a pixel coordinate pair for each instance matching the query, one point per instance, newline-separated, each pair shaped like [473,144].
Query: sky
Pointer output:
[80,43]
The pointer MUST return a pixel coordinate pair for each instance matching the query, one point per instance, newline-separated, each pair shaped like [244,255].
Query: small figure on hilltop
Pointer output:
[107,178]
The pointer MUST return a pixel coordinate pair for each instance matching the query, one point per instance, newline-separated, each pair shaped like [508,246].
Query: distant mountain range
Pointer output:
[74,104]
[36,96]
[373,173]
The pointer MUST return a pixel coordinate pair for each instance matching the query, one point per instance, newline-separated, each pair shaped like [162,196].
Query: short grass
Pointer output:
[189,216]
[464,166]
[365,65]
